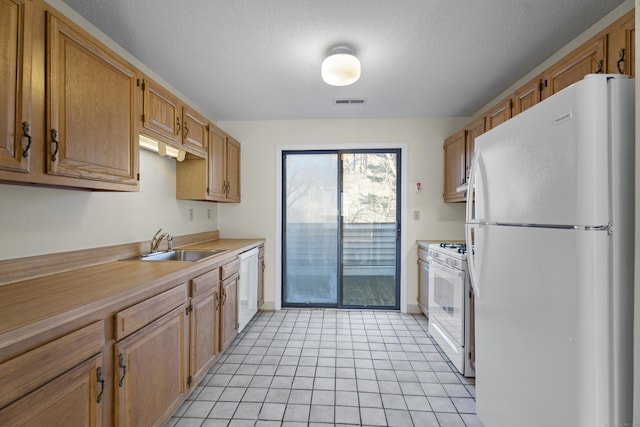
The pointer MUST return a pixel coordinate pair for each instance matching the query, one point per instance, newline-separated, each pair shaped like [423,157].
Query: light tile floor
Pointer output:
[299,367]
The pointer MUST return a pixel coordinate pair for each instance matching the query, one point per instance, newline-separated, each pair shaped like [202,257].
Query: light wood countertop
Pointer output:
[32,306]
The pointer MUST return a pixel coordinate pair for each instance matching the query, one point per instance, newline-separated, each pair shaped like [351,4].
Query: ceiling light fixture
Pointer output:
[341,67]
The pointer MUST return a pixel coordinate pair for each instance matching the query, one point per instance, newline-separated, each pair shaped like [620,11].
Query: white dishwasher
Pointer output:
[247,287]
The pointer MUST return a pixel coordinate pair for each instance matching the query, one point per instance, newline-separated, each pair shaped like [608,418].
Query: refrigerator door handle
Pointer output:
[468,229]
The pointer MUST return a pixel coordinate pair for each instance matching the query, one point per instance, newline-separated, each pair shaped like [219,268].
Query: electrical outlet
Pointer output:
[416,215]
[190,214]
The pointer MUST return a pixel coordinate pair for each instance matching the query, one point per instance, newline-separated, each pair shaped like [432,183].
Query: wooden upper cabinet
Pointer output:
[528,95]
[587,59]
[215,178]
[217,175]
[454,166]
[92,131]
[167,119]
[15,90]
[195,129]
[233,170]
[622,46]
[161,113]
[499,114]
[474,130]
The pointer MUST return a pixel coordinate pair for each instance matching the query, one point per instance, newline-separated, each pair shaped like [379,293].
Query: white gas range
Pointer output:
[451,304]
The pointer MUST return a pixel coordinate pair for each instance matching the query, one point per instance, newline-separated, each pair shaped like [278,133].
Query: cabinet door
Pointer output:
[229,311]
[233,170]
[91,105]
[74,399]
[498,114]
[423,283]
[587,59]
[150,375]
[454,166]
[474,130]
[195,130]
[622,42]
[261,268]
[217,164]
[15,90]
[161,114]
[527,96]
[205,324]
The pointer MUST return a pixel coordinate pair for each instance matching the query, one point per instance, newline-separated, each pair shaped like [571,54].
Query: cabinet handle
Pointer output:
[186,131]
[224,297]
[217,304]
[178,126]
[620,60]
[26,131]
[101,381]
[600,65]
[123,367]
[54,141]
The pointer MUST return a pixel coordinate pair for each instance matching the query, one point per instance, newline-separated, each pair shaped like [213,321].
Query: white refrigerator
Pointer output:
[552,230]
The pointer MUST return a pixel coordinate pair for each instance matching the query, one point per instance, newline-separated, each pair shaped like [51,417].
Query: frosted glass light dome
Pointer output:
[340,69]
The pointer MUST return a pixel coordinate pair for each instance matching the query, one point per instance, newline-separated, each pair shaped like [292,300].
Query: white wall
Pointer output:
[36,220]
[257,215]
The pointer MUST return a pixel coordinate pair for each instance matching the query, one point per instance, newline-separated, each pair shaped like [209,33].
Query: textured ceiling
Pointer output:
[258,59]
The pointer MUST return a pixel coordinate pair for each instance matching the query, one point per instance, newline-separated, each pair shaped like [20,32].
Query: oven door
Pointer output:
[446,299]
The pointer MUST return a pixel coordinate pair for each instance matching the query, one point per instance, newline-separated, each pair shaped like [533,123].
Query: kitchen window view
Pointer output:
[341,228]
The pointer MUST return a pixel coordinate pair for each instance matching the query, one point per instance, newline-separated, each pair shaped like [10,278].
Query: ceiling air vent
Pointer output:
[350,101]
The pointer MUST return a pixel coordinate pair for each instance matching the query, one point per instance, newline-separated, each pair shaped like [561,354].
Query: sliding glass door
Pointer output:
[341,228]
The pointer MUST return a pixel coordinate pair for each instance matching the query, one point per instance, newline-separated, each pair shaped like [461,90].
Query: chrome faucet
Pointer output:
[157,238]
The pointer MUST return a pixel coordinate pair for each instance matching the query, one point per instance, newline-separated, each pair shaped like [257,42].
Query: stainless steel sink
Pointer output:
[192,255]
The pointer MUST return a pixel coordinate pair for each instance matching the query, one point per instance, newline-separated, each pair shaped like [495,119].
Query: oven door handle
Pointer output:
[447,267]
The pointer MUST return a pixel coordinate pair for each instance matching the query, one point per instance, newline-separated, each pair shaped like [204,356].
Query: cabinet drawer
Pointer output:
[134,318]
[230,268]
[205,282]
[34,368]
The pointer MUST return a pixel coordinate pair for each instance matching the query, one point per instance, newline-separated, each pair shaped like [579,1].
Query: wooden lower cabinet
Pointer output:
[229,311]
[205,325]
[150,371]
[74,399]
